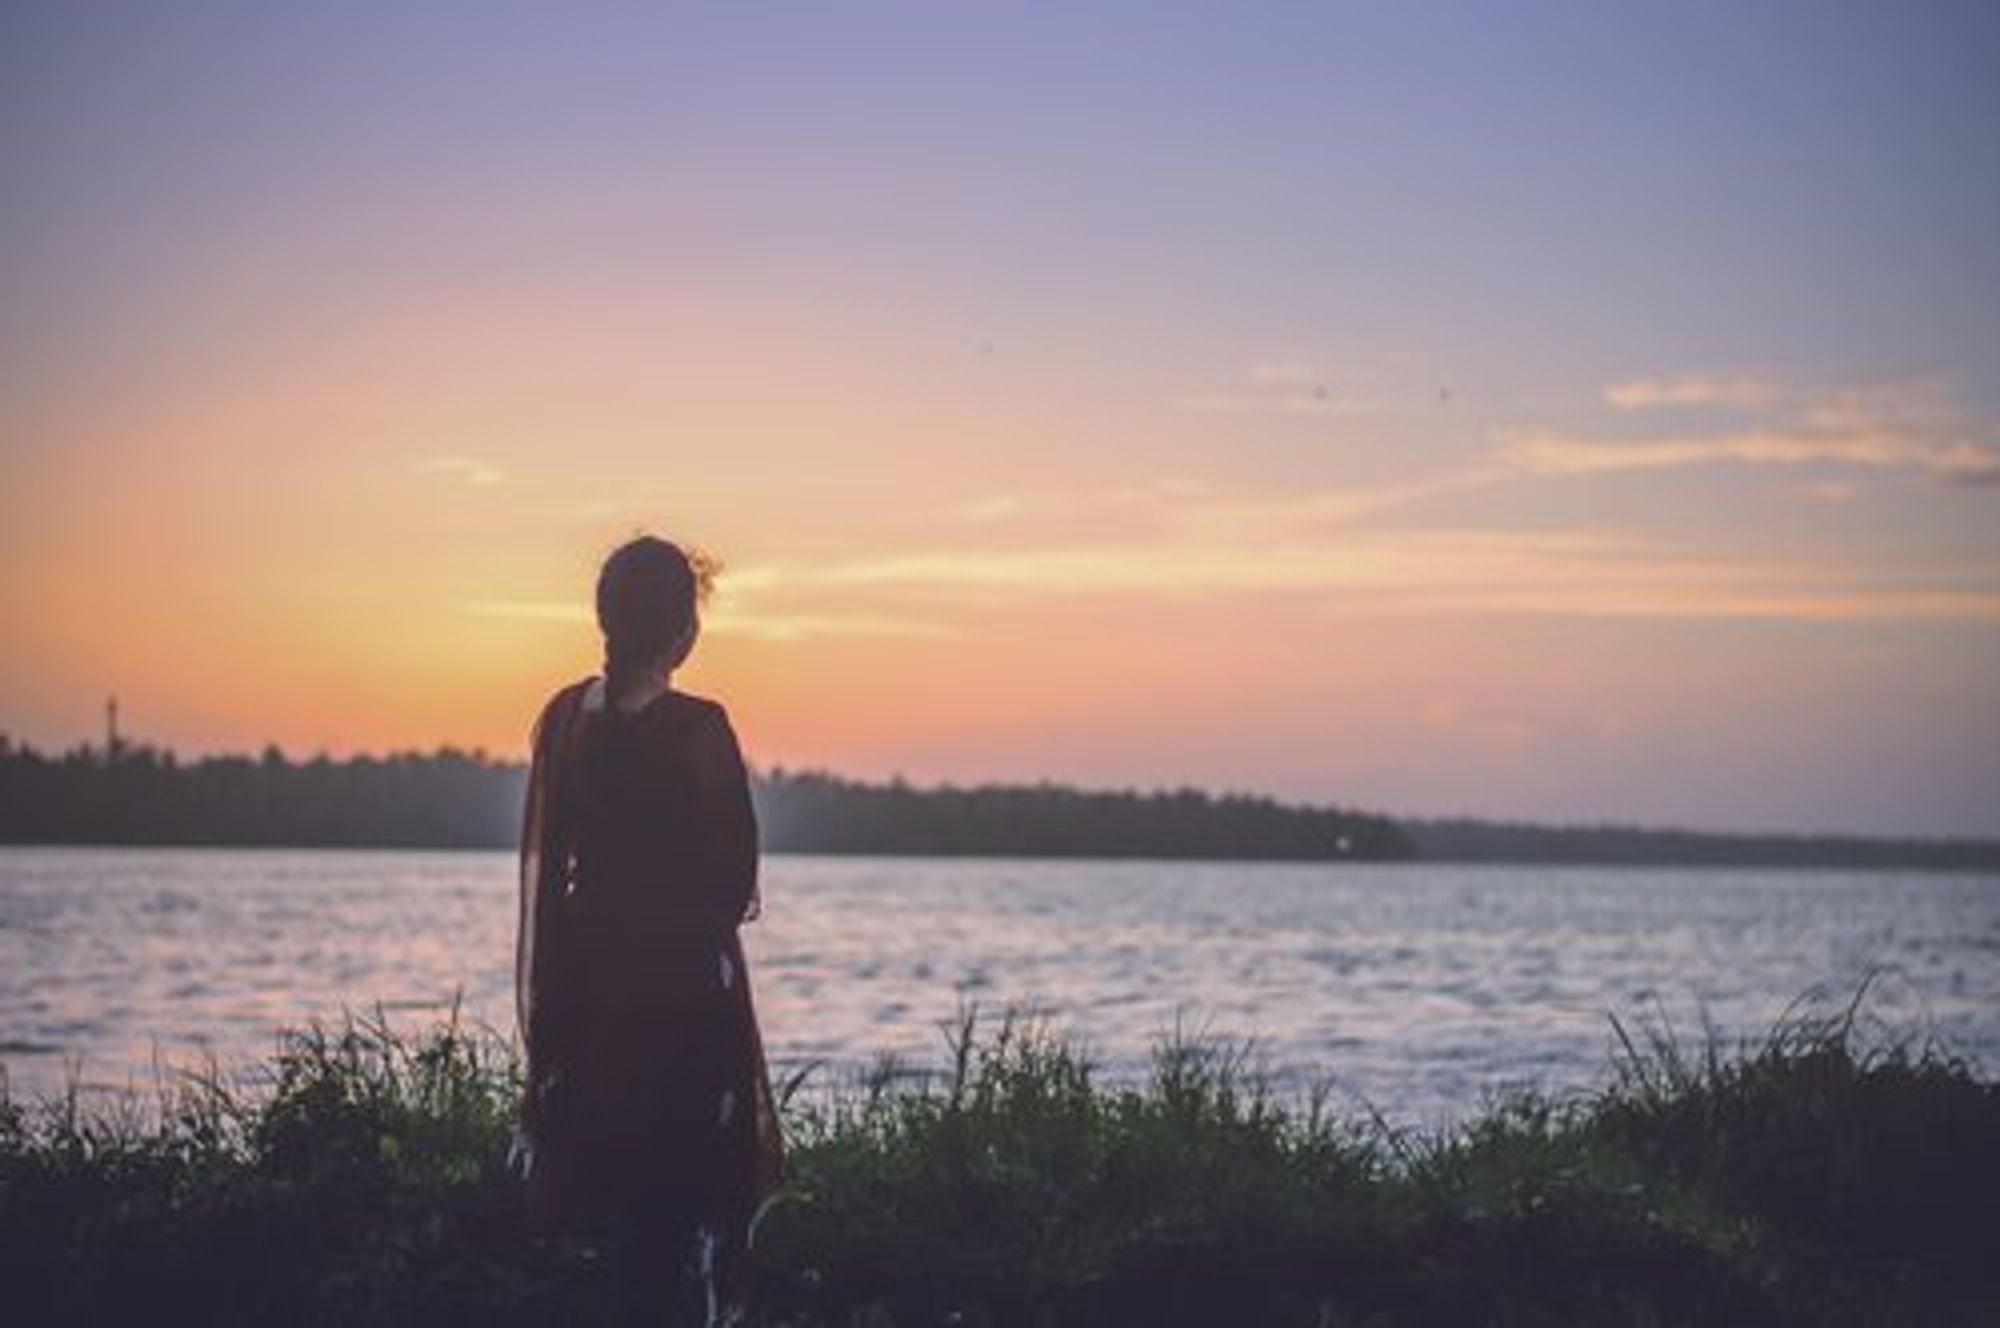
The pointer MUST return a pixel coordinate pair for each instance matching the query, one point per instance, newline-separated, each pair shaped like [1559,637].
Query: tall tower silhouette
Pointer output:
[111,739]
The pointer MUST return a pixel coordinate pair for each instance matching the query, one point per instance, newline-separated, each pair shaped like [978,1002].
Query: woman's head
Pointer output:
[648,598]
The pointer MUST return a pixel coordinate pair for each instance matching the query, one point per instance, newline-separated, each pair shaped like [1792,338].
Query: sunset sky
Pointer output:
[1572,412]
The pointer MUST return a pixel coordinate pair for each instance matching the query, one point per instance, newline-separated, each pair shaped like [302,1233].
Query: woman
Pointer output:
[647,1116]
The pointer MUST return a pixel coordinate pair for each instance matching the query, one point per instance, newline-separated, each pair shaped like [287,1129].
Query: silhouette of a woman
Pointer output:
[647,1115]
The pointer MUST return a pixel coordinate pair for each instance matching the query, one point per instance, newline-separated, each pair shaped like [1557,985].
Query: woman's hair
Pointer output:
[648,594]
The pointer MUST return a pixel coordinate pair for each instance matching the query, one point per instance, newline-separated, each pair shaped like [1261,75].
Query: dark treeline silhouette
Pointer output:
[827,814]
[144,795]
[455,799]
[137,794]
[1466,840]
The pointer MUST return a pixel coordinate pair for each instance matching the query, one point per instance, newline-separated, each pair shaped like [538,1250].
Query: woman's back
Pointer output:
[664,835]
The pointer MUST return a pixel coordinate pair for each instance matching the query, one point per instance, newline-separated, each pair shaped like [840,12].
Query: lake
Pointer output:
[1422,989]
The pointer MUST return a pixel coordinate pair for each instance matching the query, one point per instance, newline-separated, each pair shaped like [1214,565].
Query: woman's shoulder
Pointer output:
[692,712]
[564,698]
[700,726]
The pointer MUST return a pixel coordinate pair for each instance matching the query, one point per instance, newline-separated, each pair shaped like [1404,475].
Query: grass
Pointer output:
[1814,1177]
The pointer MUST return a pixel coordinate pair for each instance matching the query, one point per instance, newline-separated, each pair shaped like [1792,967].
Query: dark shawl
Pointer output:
[647,1105]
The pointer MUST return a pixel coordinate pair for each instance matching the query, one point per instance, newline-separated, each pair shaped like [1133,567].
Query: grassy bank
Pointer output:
[1805,1179]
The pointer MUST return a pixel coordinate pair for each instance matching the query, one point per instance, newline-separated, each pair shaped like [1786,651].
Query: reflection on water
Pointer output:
[1424,988]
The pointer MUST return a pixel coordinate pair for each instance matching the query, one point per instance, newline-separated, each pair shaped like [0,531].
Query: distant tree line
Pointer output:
[455,799]
[138,794]
[824,813]
[145,795]
[1466,840]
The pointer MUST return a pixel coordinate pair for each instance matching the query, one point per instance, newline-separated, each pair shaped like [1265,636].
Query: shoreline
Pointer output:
[1979,864]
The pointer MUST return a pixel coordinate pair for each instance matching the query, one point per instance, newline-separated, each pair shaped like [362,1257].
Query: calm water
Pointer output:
[1423,988]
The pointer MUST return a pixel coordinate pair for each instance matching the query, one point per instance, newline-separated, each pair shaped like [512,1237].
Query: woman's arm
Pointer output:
[544,848]
[723,786]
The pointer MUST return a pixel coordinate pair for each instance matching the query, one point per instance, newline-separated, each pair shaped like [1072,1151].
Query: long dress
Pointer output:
[647,1112]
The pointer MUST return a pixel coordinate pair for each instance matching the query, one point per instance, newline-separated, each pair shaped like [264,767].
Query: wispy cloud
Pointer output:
[1283,385]
[1909,405]
[1148,499]
[991,508]
[1289,371]
[1205,511]
[556,611]
[788,627]
[1669,393]
[1498,727]
[1219,514]
[727,621]
[1915,426]
[1832,491]
[1584,573]
[1560,454]
[1319,400]
[470,470]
